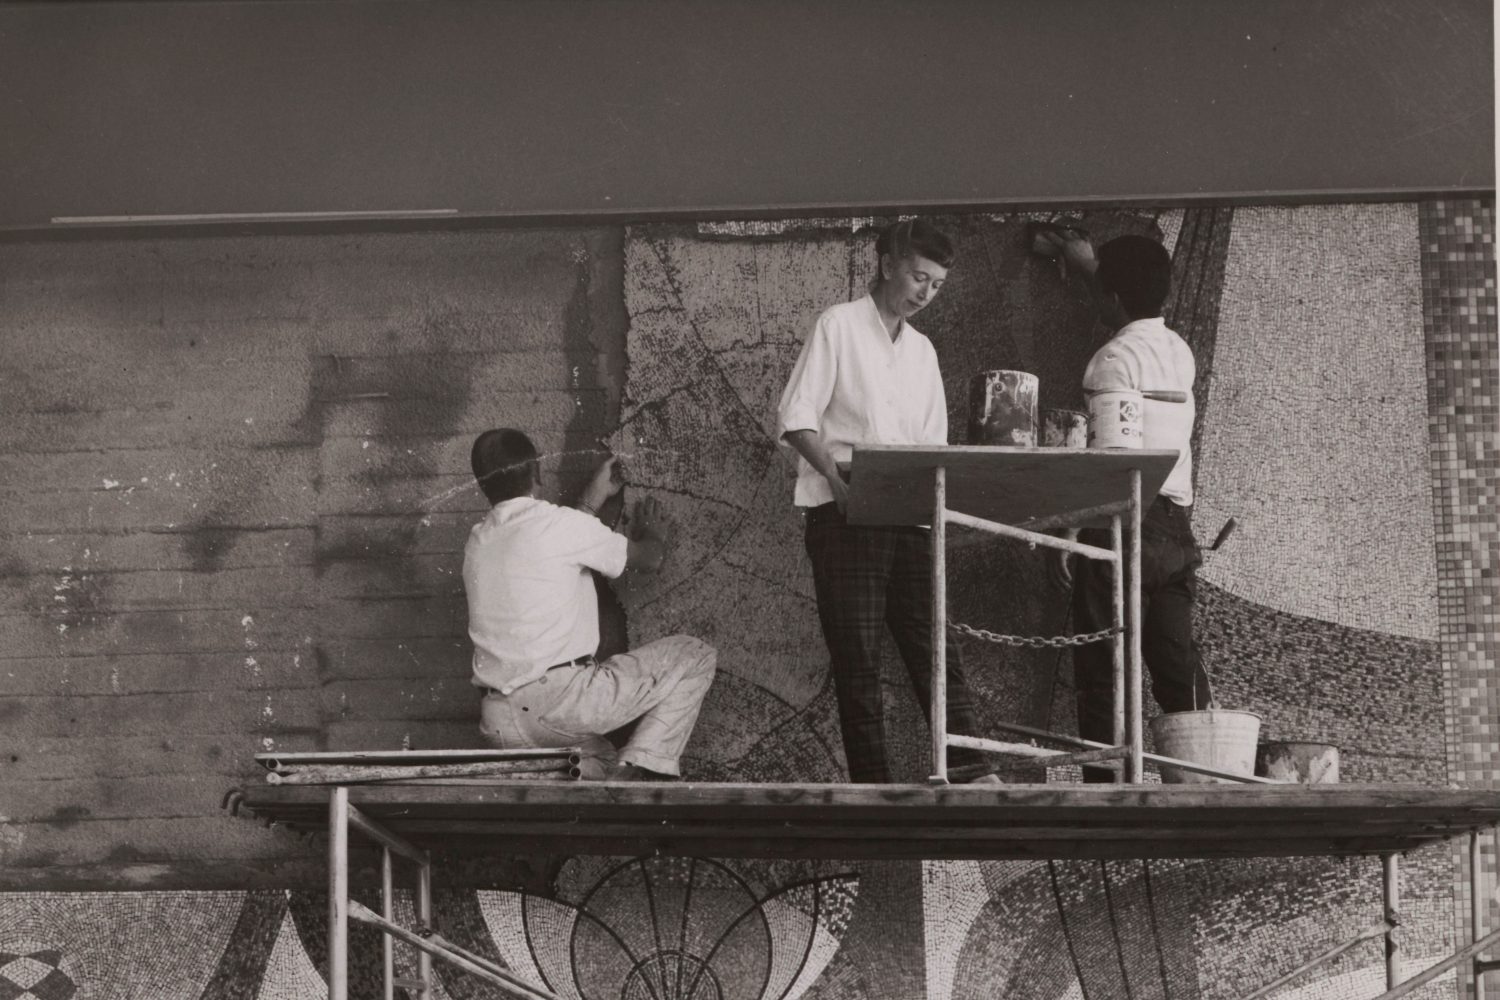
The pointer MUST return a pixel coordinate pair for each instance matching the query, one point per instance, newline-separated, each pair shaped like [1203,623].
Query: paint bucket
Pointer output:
[1115,419]
[1300,761]
[1002,408]
[1217,737]
[1065,429]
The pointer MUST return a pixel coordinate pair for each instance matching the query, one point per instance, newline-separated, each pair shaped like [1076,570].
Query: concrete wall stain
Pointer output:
[247,490]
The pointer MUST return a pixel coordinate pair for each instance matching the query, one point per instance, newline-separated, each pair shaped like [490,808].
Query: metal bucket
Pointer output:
[1300,761]
[1217,737]
[1115,419]
[1002,408]
[1065,429]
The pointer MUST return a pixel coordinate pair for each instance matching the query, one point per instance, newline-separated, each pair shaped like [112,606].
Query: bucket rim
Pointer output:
[1210,712]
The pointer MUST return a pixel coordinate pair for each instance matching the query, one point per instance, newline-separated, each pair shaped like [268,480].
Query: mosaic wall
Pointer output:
[1327,338]
[1463,369]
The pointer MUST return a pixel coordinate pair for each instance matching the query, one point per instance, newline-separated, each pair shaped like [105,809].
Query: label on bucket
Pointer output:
[1115,419]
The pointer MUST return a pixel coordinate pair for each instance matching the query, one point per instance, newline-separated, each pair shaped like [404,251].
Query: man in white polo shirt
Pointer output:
[534,621]
[1131,277]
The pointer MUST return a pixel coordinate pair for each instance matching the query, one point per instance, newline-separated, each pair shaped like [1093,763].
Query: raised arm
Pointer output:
[1078,254]
[607,480]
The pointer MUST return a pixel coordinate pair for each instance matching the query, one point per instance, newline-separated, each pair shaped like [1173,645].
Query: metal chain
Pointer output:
[1035,641]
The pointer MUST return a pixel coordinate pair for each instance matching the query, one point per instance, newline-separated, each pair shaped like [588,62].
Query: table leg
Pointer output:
[338,894]
[1117,643]
[939,720]
[1391,880]
[1134,763]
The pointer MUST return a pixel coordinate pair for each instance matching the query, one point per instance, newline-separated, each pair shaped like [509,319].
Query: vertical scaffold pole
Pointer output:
[1476,907]
[424,920]
[1134,763]
[388,911]
[1117,643]
[338,894]
[939,718]
[1391,879]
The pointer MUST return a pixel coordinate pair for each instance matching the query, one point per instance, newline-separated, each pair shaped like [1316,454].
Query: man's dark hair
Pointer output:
[505,464]
[1139,271]
[915,238]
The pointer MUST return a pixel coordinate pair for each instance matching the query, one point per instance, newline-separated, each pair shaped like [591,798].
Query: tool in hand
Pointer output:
[1165,395]
[1046,239]
[1223,534]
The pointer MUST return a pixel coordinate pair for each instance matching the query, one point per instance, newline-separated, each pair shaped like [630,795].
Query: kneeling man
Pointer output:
[534,621]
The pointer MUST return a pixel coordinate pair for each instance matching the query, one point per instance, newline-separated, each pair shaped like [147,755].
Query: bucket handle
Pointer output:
[1208,691]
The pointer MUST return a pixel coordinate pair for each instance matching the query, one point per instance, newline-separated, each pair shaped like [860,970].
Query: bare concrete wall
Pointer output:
[234,490]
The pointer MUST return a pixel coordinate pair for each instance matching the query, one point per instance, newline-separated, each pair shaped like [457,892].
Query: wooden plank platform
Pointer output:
[858,822]
[890,484]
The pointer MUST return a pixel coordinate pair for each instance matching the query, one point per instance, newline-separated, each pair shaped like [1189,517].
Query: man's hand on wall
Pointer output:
[606,482]
[648,535]
[1074,250]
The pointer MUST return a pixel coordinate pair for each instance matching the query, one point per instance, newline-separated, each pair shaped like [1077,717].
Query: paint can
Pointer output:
[1300,761]
[1116,419]
[1065,429]
[1002,408]
[1215,737]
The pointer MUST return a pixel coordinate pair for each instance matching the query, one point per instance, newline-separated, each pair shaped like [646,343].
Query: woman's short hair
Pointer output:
[915,238]
[1139,271]
[504,463]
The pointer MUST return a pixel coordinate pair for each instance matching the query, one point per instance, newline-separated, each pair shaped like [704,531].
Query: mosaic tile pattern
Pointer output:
[257,932]
[716,327]
[1187,930]
[672,929]
[1457,246]
[953,896]
[1200,242]
[109,945]
[289,972]
[1314,439]
[1376,696]
[37,972]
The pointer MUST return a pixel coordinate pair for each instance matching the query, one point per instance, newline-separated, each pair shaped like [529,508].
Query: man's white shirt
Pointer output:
[1146,355]
[854,385]
[532,602]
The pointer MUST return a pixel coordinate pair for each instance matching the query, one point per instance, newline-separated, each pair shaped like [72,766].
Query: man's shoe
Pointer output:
[634,772]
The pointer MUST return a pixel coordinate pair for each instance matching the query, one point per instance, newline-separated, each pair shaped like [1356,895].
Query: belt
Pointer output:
[579,661]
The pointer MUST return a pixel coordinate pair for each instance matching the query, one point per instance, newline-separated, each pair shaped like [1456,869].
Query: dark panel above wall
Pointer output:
[640,109]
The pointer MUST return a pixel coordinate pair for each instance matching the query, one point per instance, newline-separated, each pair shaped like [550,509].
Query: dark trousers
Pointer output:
[868,580]
[1169,558]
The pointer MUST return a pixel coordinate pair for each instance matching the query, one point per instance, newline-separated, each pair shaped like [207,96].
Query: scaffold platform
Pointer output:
[859,822]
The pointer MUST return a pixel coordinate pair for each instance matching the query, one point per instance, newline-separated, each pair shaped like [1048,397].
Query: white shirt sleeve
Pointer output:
[810,388]
[935,420]
[587,542]
[1114,367]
